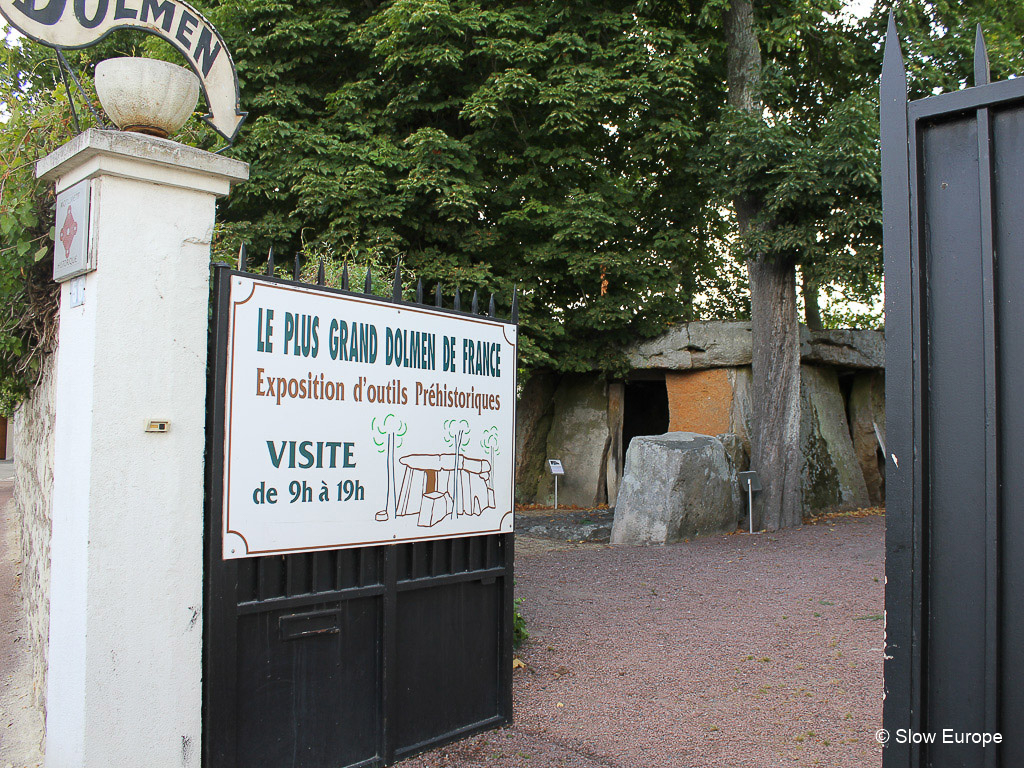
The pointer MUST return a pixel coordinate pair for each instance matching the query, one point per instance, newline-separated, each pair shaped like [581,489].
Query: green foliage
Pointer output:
[492,146]
[811,157]
[579,150]
[845,311]
[382,274]
[519,631]
[38,120]
[937,38]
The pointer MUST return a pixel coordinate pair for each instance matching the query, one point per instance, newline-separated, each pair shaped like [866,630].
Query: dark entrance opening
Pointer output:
[645,410]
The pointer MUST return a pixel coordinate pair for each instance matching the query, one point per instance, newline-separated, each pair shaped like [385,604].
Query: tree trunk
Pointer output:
[775,442]
[775,449]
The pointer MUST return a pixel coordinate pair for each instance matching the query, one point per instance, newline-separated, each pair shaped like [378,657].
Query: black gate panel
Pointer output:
[953,195]
[443,653]
[349,658]
[450,594]
[955,338]
[306,695]
[1008,131]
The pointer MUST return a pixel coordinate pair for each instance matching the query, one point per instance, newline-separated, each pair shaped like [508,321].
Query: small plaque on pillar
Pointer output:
[72,252]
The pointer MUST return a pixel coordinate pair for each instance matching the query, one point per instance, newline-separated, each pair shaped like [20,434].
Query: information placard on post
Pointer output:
[556,469]
[73,251]
[351,421]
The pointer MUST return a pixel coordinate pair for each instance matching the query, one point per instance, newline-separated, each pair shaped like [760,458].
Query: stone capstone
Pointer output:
[675,485]
[727,344]
[690,346]
[579,437]
[832,477]
[843,348]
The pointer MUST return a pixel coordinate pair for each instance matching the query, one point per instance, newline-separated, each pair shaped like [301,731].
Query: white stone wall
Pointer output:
[32,428]
[124,679]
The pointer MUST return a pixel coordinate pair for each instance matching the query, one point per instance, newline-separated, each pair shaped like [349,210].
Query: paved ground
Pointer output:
[728,651]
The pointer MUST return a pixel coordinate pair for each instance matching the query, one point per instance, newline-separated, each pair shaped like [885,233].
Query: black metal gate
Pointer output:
[953,194]
[351,657]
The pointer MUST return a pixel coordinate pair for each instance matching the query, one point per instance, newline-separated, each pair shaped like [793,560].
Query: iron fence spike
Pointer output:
[458,298]
[491,310]
[894,74]
[515,305]
[982,70]
[243,258]
[474,305]
[344,277]
[396,287]
[295,272]
[270,262]
[419,291]
[368,283]
[321,276]
[437,295]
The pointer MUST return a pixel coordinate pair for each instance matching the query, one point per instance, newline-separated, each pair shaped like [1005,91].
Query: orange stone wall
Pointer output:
[699,401]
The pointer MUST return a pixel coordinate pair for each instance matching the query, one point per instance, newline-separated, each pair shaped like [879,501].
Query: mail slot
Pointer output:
[298,625]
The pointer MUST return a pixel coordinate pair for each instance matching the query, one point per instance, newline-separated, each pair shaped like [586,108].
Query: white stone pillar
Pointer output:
[126,579]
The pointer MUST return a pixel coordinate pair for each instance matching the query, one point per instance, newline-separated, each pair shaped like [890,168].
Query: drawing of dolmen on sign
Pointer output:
[437,485]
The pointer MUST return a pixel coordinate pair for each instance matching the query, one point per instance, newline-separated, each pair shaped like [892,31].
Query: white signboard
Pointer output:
[555,467]
[72,249]
[78,24]
[352,421]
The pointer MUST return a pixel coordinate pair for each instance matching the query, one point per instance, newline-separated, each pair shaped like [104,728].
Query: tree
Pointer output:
[775,331]
[545,146]
[938,40]
[797,137]
[388,436]
[800,139]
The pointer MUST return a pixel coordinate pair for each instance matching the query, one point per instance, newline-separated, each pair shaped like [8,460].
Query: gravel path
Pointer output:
[745,651]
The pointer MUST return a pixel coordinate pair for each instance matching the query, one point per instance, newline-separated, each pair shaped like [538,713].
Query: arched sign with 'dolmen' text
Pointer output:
[81,23]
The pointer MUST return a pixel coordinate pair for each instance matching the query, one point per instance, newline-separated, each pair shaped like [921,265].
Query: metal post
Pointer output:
[556,491]
[750,503]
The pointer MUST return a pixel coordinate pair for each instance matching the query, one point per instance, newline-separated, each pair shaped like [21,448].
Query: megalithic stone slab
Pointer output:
[676,485]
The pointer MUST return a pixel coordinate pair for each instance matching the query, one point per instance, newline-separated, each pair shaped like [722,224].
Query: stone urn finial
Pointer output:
[146,95]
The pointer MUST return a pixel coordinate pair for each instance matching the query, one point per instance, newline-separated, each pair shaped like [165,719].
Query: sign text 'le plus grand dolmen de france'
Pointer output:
[351,421]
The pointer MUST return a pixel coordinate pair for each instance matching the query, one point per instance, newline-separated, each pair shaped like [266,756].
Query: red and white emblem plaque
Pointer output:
[71,253]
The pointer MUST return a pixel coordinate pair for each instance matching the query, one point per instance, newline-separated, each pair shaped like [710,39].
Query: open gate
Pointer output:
[953,196]
[347,657]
